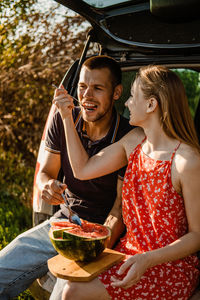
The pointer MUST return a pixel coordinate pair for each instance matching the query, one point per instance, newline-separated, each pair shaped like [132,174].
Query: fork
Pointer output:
[73,217]
[68,94]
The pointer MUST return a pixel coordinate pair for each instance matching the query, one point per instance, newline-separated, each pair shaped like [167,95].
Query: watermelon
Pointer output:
[79,243]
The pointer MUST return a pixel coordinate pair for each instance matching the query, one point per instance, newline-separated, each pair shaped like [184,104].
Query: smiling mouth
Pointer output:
[89,106]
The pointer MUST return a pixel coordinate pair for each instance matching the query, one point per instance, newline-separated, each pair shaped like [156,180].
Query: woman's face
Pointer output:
[137,105]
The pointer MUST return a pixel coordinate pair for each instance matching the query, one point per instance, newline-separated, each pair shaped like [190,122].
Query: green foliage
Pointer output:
[35,52]
[15,197]
[191,81]
[15,200]
[25,296]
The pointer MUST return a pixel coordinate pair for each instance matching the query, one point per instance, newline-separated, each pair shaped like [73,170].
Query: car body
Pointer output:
[138,33]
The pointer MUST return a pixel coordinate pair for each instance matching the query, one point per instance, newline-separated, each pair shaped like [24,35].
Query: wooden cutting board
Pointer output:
[68,269]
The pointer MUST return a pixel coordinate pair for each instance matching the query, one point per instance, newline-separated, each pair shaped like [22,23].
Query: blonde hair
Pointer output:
[164,85]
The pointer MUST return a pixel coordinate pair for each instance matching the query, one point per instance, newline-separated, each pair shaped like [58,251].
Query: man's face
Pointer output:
[95,92]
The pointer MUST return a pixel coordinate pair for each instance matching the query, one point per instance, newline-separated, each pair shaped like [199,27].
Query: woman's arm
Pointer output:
[106,161]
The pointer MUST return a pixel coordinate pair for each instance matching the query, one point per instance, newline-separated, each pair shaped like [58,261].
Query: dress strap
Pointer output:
[143,141]
[174,152]
[139,146]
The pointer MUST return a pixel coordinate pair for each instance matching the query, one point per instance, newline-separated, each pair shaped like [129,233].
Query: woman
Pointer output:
[161,192]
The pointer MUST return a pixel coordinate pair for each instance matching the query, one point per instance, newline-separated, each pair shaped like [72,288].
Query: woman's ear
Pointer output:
[117,92]
[152,104]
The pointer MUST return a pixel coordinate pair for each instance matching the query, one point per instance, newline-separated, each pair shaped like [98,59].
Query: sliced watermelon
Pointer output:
[79,243]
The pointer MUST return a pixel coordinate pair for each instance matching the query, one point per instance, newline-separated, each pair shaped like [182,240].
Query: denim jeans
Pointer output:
[24,260]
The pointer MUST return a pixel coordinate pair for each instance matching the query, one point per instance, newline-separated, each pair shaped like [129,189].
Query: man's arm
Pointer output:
[47,182]
[114,219]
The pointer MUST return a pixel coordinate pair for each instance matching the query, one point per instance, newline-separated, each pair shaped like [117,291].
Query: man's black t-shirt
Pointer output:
[91,199]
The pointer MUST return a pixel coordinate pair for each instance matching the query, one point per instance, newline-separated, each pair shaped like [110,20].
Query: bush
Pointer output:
[15,196]
[31,60]
[14,216]
[15,200]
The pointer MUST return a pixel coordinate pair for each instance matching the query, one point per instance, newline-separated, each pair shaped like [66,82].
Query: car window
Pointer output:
[105,3]
[191,81]
[127,79]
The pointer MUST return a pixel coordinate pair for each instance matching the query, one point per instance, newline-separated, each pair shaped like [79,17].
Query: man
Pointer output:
[98,125]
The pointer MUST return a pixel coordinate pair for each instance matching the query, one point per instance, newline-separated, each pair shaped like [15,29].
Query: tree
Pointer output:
[36,51]
[190,80]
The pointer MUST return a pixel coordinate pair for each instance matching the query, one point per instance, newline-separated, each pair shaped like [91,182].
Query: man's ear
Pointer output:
[152,104]
[117,92]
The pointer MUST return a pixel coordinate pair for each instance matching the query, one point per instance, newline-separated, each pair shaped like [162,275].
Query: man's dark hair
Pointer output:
[104,61]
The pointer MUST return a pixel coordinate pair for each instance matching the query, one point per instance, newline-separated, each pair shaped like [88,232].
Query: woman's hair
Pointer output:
[164,85]
[104,61]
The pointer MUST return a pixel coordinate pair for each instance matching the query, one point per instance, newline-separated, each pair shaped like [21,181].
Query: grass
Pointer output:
[15,201]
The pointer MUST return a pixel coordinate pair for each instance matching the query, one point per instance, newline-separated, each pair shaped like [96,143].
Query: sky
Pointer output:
[44,5]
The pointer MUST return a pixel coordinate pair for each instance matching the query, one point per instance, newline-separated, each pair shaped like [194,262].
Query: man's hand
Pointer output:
[51,192]
[137,265]
[114,219]
[64,102]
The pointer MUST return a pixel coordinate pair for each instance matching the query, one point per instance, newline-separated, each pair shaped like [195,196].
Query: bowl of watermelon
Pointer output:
[79,243]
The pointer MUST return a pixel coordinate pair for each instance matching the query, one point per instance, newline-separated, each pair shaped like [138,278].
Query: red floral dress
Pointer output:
[154,215]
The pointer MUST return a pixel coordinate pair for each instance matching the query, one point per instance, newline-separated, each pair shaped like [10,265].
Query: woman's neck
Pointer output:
[157,144]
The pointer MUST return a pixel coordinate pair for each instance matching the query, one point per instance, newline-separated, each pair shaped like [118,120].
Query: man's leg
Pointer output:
[39,218]
[58,289]
[24,260]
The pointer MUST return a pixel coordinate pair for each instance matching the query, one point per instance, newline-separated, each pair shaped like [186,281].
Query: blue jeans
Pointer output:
[24,260]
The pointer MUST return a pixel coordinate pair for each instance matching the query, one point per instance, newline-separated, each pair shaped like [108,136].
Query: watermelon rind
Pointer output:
[78,248]
[58,233]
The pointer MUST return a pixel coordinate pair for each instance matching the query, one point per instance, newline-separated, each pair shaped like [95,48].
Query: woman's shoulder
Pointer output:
[187,158]
[132,139]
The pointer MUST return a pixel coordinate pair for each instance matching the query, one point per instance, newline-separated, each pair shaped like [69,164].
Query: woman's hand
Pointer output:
[63,101]
[138,264]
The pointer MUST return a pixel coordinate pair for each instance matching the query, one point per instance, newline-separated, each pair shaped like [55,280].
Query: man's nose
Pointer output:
[88,92]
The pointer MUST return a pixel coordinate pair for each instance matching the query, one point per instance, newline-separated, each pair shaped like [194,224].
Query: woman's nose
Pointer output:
[127,102]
